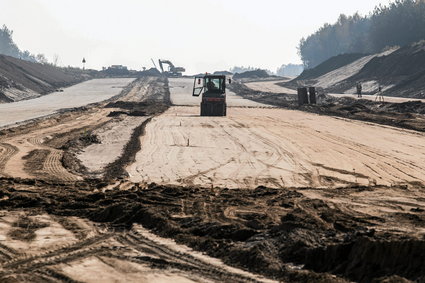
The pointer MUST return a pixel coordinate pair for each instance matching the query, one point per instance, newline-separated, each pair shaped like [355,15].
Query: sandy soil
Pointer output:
[338,75]
[349,195]
[275,148]
[75,230]
[270,86]
[43,247]
[34,150]
[113,136]
[75,96]
[111,141]
[84,141]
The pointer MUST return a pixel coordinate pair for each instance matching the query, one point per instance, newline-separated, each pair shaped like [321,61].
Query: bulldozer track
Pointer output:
[6,152]
[180,260]
[112,245]
[53,166]
[62,254]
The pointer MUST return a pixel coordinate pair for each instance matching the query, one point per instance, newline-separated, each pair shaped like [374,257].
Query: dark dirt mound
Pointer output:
[40,78]
[406,107]
[156,102]
[365,259]
[24,229]
[152,72]
[116,168]
[224,73]
[145,108]
[261,230]
[252,74]
[329,65]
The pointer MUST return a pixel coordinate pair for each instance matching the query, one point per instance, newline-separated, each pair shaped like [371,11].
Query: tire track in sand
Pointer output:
[6,152]
[53,166]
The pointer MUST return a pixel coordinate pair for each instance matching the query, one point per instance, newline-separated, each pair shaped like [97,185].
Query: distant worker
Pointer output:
[379,95]
[359,90]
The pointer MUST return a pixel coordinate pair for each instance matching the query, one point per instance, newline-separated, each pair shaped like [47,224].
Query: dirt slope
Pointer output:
[329,65]
[20,79]
[404,69]
[400,72]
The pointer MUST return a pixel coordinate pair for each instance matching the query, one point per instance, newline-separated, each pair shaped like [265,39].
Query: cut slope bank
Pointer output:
[20,79]
[399,71]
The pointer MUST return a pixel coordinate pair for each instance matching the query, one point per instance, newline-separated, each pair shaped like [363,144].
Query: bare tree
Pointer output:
[41,59]
[55,59]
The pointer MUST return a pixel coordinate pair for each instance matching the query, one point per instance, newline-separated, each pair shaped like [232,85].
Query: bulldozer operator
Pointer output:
[211,85]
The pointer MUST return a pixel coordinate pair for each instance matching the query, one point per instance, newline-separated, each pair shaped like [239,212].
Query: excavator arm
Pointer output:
[172,70]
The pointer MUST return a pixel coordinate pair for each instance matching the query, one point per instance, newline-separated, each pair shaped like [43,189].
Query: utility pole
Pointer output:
[84,63]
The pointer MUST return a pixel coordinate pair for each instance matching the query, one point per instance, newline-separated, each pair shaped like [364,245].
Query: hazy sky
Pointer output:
[200,35]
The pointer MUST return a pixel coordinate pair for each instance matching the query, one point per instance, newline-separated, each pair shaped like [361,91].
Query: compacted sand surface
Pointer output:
[75,96]
[275,148]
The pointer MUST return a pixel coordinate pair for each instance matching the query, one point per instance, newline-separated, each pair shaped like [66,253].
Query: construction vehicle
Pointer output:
[172,70]
[213,91]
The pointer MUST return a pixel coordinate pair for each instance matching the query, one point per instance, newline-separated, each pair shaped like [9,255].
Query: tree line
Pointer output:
[9,47]
[400,23]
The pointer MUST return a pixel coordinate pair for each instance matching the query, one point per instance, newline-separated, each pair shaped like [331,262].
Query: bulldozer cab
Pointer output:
[209,85]
[213,91]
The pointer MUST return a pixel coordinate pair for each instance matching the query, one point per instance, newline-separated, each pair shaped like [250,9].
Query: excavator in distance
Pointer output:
[213,91]
[173,71]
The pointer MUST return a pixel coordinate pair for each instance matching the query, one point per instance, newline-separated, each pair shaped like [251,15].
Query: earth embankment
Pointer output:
[20,79]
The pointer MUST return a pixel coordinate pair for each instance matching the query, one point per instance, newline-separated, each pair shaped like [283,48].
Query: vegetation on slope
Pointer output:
[400,23]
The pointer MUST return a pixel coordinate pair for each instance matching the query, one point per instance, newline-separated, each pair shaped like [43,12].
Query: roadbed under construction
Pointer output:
[65,219]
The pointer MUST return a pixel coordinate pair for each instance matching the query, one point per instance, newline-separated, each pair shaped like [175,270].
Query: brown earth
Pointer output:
[294,235]
[41,148]
[57,224]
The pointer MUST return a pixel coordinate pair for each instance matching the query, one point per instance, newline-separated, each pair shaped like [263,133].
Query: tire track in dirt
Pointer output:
[6,152]
[53,167]
[361,149]
[183,260]
[132,246]
[275,147]
[25,262]
[263,230]
[47,135]
[52,134]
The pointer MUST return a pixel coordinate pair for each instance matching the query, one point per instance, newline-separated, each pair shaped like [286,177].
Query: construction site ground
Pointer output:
[277,87]
[75,96]
[140,188]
